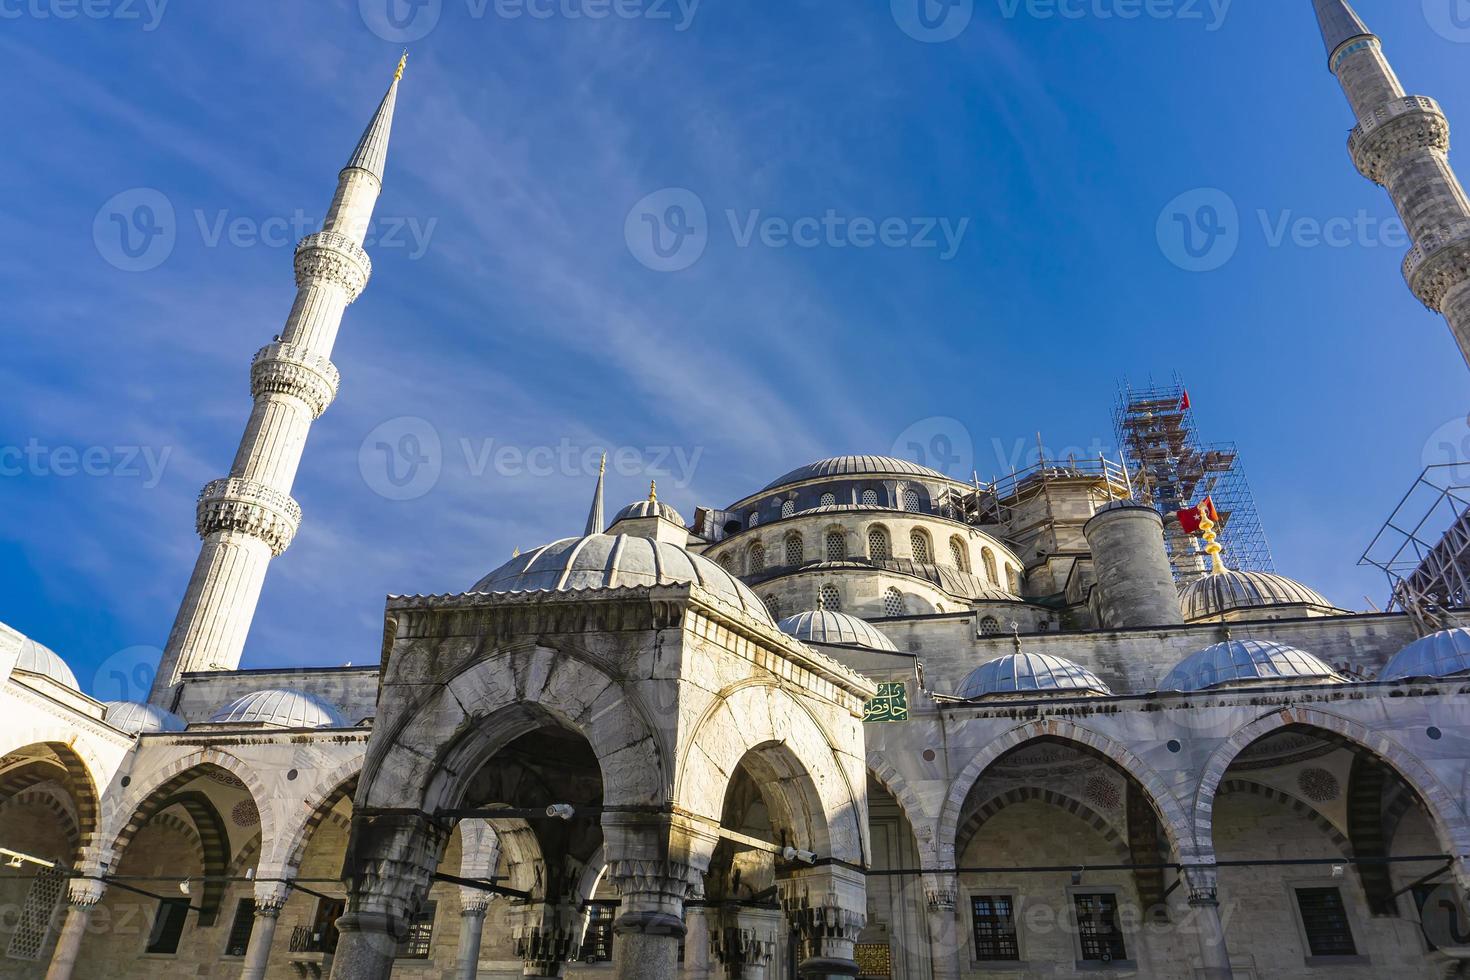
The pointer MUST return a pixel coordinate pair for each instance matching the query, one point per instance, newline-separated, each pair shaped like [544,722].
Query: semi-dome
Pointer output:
[281,708]
[650,508]
[44,661]
[139,719]
[1031,673]
[826,626]
[841,466]
[1443,654]
[1225,592]
[1244,662]
[606,561]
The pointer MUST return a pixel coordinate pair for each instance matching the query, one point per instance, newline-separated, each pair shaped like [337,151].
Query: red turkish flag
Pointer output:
[1190,520]
[1184,404]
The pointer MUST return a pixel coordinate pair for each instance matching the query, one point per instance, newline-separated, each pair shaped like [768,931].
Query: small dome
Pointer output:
[1225,592]
[1031,673]
[650,508]
[840,466]
[281,708]
[604,561]
[1444,654]
[138,719]
[42,660]
[826,626]
[1243,662]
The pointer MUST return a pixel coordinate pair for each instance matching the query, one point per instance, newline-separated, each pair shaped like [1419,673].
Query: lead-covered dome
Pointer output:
[1246,662]
[650,508]
[1031,673]
[282,709]
[839,466]
[141,719]
[826,626]
[606,561]
[1442,654]
[1226,592]
[37,659]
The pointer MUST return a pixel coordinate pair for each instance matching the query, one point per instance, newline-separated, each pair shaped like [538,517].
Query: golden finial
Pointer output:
[653,491]
[402,64]
[516,553]
[1212,546]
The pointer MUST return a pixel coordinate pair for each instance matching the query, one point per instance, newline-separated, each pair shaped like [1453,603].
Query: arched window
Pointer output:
[988,557]
[1014,577]
[836,546]
[755,518]
[788,508]
[757,558]
[870,498]
[911,501]
[959,554]
[919,546]
[989,626]
[727,562]
[829,598]
[795,551]
[892,602]
[878,549]
[773,606]
[829,500]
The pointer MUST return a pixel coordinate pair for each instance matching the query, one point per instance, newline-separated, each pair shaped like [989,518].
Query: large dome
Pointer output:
[1031,673]
[138,719]
[42,660]
[281,708]
[826,626]
[1246,661]
[605,561]
[1225,592]
[839,466]
[1443,654]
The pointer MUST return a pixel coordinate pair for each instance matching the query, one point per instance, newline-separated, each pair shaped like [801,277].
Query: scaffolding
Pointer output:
[1173,470]
[1424,547]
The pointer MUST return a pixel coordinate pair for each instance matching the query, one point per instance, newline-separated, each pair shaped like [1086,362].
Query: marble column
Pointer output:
[944,944]
[473,904]
[697,940]
[81,898]
[827,908]
[270,898]
[1204,903]
[650,927]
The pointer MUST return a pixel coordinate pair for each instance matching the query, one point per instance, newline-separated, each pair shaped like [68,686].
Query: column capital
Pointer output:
[827,907]
[742,936]
[84,893]
[270,897]
[1203,881]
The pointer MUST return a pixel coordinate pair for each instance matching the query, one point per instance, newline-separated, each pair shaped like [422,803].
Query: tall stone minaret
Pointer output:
[1402,142]
[248,518]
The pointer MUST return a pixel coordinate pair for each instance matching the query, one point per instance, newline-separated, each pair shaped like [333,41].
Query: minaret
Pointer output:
[1402,142]
[248,518]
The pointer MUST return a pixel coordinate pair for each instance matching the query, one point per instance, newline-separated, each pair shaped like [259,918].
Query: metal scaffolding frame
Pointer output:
[1424,546]
[1173,469]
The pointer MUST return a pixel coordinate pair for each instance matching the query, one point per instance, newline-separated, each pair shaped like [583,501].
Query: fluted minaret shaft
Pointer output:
[249,517]
[1402,142]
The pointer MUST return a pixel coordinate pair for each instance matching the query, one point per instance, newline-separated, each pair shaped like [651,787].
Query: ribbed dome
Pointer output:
[138,719]
[1031,673]
[650,508]
[856,466]
[826,626]
[1244,662]
[44,661]
[1444,654]
[835,508]
[282,708]
[1224,592]
[604,561]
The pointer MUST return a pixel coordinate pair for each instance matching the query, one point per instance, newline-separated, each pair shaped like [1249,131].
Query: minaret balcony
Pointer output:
[290,369]
[1438,263]
[247,507]
[1395,129]
[332,257]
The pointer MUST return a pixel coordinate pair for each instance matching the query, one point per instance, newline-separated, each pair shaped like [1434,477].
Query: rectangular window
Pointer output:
[168,926]
[1325,921]
[415,945]
[1097,927]
[597,945]
[995,927]
[240,928]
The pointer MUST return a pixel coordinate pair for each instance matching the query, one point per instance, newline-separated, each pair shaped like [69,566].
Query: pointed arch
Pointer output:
[1039,794]
[909,804]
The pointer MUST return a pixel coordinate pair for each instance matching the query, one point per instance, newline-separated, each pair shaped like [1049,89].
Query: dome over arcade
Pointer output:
[1235,662]
[841,466]
[281,708]
[37,659]
[1224,592]
[1442,654]
[605,561]
[141,719]
[1031,673]
[650,508]
[826,626]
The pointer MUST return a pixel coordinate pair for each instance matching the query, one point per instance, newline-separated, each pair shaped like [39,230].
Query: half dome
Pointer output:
[1031,673]
[841,629]
[606,561]
[36,659]
[1227,592]
[280,708]
[141,719]
[1442,654]
[840,466]
[1246,662]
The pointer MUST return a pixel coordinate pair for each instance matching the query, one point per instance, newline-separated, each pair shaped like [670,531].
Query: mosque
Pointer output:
[866,721]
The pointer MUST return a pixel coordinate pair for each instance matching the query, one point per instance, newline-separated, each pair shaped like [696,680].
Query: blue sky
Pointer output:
[513,306]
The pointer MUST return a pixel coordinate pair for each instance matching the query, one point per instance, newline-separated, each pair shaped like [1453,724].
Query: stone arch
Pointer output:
[247,856]
[1450,824]
[55,800]
[1300,807]
[288,853]
[81,782]
[759,721]
[214,848]
[1037,794]
[1172,817]
[908,803]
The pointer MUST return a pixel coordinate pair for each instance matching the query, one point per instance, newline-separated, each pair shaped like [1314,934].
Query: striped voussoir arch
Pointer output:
[143,802]
[325,808]
[908,803]
[56,801]
[214,847]
[1037,794]
[72,774]
[1304,809]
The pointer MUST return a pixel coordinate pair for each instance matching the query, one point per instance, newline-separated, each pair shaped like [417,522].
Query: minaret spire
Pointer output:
[1402,142]
[249,517]
[596,523]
